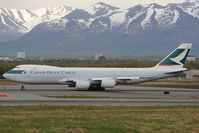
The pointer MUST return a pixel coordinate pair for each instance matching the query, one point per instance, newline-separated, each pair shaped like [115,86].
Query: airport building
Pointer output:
[100,57]
[191,58]
[192,75]
[21,55]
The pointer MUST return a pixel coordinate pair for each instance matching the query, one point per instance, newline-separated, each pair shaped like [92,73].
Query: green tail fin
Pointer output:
[177,57]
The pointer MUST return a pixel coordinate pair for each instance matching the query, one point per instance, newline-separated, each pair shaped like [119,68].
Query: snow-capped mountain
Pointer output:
[104,27]
[27,19]
[47,14]
[21,21]
[100,9]
[191,7]
[94,18]
[12,19]
[134,20]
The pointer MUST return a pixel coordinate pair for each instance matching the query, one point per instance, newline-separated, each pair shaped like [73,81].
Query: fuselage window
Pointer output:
[16,72]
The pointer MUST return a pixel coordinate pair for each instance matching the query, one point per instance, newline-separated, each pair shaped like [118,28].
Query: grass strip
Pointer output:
[91,119]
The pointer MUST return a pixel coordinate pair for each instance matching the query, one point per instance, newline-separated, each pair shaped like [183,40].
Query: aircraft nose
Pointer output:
[5,75]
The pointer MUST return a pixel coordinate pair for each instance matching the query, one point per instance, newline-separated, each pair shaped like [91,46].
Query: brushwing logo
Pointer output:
[180,57]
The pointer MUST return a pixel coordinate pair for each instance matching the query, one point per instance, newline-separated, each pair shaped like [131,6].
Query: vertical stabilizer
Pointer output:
[176,58]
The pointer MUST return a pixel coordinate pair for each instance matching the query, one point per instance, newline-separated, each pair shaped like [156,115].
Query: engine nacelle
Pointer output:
[108,83]
[82,84]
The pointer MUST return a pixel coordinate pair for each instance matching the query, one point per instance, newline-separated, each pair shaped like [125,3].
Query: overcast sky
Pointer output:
[34,4]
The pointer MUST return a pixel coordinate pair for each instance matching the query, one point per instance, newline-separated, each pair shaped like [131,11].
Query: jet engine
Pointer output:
[82,84]
[108,83]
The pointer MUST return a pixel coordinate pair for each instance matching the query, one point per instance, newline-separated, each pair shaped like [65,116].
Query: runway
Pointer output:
[118,96]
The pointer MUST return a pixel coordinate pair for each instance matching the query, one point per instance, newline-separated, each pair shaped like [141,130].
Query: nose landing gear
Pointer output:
[22,87]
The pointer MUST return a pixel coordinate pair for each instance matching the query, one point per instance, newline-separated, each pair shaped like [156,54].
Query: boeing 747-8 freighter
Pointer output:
[100,78]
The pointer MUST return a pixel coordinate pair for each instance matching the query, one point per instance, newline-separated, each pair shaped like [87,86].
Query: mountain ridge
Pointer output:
[21,21]
[102,27]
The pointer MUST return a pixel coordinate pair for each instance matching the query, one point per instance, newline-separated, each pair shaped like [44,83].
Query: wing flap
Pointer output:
[127,78]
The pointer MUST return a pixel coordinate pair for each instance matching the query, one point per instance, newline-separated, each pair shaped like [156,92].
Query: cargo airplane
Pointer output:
[100,78]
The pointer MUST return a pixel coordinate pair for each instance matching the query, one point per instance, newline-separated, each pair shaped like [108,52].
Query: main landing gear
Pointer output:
[96,88]
[22,87]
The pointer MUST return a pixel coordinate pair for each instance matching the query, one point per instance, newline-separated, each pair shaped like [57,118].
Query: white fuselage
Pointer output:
[42,74]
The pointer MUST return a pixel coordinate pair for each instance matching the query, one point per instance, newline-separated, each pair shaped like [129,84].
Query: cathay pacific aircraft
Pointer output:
[100,78]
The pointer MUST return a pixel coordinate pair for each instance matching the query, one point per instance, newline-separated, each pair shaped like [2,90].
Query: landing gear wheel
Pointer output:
[22,88]
[166,92]
[96,89]
[102,89]
[90,89]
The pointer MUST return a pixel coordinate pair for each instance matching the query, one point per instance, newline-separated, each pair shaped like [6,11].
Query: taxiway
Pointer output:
[120,95]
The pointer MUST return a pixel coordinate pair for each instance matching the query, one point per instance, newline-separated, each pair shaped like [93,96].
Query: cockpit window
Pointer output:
[16,72]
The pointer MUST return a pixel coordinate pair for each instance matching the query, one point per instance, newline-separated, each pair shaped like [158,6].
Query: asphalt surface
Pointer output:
[120,95]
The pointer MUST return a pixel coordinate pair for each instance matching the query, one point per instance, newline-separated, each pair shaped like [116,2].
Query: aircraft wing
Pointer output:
[117,79]
[99,79]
